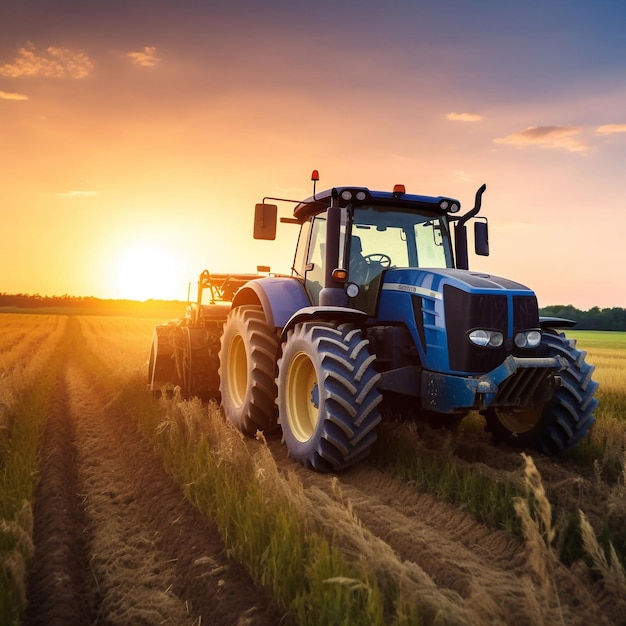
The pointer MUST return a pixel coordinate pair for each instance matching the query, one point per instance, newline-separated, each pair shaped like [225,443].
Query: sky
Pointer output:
[136,136]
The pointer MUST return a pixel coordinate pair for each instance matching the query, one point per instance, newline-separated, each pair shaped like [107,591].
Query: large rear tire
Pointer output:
[561,423]
[247,366]
[327,395]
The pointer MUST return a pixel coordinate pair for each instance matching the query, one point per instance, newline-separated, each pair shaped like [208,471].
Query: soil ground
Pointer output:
[115,540]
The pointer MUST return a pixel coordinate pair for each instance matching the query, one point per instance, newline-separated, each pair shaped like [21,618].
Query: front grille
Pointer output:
[464,312]
[525,313]
[468,311]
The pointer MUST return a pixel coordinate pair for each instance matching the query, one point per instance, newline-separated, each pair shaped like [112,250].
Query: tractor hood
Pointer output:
[429,282]
[442,306]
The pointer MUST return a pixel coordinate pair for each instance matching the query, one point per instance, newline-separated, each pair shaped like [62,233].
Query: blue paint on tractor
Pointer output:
[401,288]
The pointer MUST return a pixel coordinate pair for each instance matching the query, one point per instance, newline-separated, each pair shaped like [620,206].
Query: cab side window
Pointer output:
[314,275]
[299,261]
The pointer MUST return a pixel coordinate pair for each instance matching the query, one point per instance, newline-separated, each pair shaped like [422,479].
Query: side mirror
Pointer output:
[265,221]
[481,238]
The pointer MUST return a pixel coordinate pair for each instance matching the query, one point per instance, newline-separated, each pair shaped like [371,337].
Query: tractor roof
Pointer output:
[363,196]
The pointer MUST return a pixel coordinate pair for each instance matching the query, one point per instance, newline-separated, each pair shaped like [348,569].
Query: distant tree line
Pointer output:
[593,319]
[90,305]
[28,301]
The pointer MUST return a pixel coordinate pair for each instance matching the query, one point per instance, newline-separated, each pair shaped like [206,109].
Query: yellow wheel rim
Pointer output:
[237,370]
[521,421]
[302,395]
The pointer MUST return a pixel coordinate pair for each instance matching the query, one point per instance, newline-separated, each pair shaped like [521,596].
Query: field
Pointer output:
[117,508]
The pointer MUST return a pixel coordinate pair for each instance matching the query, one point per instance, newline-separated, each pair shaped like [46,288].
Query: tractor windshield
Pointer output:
[406,238]
[384,237]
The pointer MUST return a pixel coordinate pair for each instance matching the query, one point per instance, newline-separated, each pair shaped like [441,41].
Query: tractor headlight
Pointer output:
[451,206]
[352,289]
[528,339]
[486,338]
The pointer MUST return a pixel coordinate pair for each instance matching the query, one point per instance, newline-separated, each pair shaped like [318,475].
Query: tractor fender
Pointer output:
[555,322]
[324,313]
[280,298]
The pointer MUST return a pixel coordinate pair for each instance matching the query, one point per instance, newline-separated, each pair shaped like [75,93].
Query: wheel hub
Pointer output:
[303,397]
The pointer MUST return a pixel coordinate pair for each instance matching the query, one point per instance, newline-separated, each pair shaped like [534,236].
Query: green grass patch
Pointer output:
[599,339]
[401,452]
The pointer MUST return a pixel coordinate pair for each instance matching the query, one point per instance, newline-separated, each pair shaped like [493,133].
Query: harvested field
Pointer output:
[115,541]
[125,531]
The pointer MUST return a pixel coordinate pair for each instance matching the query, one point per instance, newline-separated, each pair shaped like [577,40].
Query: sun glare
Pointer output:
[147,270]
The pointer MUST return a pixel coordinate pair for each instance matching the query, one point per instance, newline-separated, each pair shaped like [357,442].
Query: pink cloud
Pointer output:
[8,95]
[464,117]
[147,58]
[50,63]
[610,129]
[77,194]
[559,137]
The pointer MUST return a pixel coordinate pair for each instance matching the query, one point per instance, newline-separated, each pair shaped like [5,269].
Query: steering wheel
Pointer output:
[384,260]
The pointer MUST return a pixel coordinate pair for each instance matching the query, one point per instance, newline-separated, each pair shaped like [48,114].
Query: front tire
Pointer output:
[327,395]
[561,423]
[247,361]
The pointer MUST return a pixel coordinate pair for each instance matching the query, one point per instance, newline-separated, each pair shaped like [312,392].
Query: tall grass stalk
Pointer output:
[535,513]
[609,567]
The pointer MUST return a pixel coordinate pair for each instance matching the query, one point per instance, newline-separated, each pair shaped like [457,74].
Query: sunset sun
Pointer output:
[147,269]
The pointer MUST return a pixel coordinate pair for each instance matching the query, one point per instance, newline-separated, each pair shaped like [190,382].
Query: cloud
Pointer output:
[7,95]
[464,117]
[560,137]
[77,194]
[610,129]
[50,63]
[147,58]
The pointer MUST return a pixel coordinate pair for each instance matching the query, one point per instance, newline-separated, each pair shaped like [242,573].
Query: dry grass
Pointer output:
[252,505]
[610,568]
[332,515]
[535,513]
[122,343]
[539,532]
[26,343]
[17,534]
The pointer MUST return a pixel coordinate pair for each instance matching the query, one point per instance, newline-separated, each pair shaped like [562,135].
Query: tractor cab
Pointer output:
[350,235]
[372,238]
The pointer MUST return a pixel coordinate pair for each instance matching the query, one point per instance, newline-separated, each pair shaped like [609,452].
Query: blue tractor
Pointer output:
[380,314]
